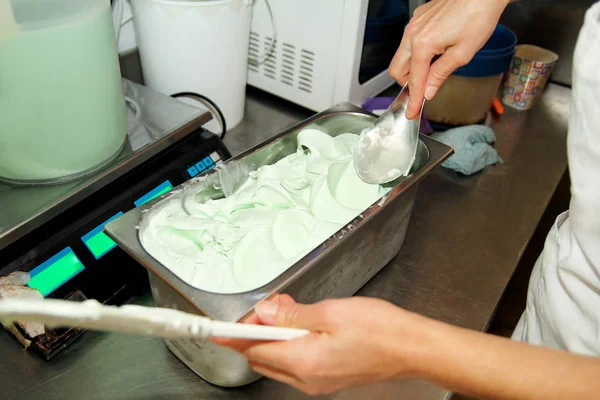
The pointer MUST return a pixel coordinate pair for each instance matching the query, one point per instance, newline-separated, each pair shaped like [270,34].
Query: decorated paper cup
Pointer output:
[529,71]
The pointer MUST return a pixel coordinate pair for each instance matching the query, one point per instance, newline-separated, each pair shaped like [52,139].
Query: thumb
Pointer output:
[442,68]
[292,315]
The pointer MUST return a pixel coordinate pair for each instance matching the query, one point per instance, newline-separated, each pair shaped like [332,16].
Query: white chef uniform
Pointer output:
[563,302]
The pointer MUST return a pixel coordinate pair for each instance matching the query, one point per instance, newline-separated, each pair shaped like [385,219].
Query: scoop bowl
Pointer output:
[386,150]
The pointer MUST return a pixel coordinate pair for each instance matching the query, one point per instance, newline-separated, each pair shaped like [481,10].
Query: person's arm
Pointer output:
[453,31]
[361,340]
[492,367]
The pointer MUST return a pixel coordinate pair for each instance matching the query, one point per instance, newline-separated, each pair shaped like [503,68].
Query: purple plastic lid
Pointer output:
[382,103]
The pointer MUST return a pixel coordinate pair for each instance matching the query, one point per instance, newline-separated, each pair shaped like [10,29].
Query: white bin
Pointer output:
[196,46]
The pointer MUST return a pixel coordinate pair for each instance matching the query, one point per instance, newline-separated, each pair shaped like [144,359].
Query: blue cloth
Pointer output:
[472,148]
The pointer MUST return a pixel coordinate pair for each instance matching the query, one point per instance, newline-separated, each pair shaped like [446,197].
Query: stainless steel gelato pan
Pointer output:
[338,267]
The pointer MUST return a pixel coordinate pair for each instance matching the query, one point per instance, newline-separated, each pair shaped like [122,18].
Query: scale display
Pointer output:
[154,193]
[97,242]
[65,265]
[58,238]
[56,271]
[70,257]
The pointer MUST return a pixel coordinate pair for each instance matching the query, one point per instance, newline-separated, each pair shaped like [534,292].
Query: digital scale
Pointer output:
[55,232]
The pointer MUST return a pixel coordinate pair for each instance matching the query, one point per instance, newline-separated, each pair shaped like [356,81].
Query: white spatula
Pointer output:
[147,321]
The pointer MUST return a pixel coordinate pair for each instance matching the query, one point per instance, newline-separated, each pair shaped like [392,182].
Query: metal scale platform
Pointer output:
[55,232]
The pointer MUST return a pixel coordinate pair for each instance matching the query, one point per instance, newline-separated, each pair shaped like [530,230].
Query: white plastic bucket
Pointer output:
[196,46]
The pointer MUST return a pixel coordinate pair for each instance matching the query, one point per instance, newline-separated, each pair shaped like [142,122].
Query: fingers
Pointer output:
[285,298]
[419,70]
[312,388]
[454,58]
[276,374]
[293,315]
[399,66]
[241,345]
[296,382]
[297,357]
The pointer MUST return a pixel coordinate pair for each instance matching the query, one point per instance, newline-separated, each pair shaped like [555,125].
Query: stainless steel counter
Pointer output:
[463,244]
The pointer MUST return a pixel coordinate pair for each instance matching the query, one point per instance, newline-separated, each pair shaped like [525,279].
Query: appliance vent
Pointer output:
[307,67]
[253,50]
[270,65]
[285,64]
[288,64]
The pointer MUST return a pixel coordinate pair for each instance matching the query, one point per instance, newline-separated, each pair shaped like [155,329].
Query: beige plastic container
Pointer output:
[463,100]
[466,97]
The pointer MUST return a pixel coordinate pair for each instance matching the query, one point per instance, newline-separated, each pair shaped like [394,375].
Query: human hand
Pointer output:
[241,345]
[454,30]
[353,342]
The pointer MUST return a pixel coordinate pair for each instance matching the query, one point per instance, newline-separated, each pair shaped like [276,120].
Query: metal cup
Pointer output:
[529,71]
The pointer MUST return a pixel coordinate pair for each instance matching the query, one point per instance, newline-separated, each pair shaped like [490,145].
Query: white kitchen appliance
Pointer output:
[317,53]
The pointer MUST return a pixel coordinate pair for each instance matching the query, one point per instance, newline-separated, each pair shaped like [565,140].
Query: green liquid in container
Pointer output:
[62,109]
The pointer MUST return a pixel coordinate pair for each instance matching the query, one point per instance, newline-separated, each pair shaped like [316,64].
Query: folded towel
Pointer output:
[472,148]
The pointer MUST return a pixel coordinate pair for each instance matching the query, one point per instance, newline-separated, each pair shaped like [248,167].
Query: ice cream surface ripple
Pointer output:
[282,211]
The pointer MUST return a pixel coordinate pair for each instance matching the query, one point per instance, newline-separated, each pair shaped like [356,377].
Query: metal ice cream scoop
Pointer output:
[386,149]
